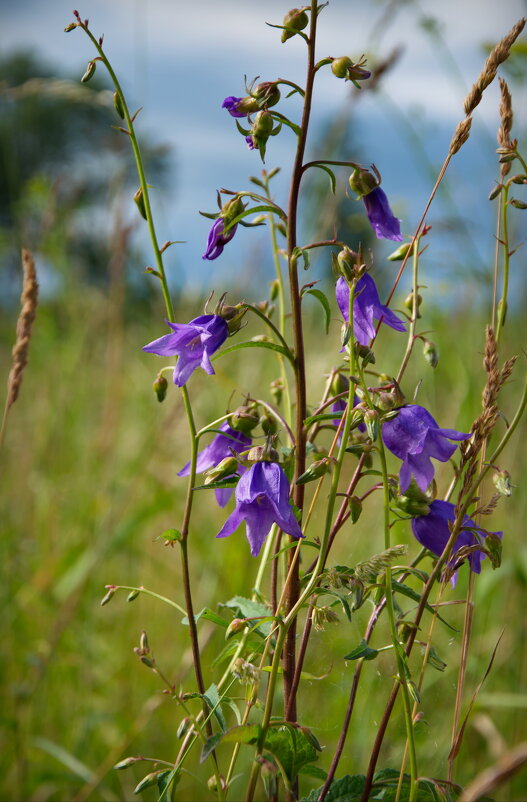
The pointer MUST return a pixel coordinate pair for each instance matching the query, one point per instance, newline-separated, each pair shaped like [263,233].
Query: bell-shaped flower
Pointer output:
[432,531]
[193,343]
[235,106]
[381,217]
[414,436]
[221,447]
[367,307]
[262,499]
[217,239]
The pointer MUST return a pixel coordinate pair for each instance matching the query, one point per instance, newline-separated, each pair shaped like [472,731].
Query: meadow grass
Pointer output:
[89,485]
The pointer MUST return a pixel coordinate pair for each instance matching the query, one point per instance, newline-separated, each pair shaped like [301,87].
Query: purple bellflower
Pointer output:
[262,498]
[367,307]
[433,533]
[232,104]
[381,217]
[193,343]
[219,448]
[415,437]
[217,240]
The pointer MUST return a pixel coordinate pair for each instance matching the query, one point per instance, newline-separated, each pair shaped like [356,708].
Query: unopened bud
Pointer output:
[340,66]
[347,263]
[294,21]
[244,419]
[267,94]
[409,303]
[275,289]
[371,419]
[412,507]
[236,625]
[355,505]
[212,784]
[109,596]
[128,761]
[90,72]
[140,202]
[133,595]
[232,209]
[118,104]
[340,384]
[502,482]
[160,387]
[227,467]
[366,354]
[184,726]
[518,204]
[263,125]
[315,471]
[70,27]
[268,423]
[233,316]
[399,254]
[431,353]
[143,642]
[495,192]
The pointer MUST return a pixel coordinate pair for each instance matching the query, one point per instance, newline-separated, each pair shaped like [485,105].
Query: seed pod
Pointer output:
[90,71]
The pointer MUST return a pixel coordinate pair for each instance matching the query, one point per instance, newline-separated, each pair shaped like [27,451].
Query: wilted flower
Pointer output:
[218,449]
[414,436]
[193,343]
[367,307]
[381,217]
[234,106]
[217,239]
[262,498]
[433,533]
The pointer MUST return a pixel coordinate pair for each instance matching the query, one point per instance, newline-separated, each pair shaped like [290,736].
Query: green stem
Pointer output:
[415,311]
[502,306]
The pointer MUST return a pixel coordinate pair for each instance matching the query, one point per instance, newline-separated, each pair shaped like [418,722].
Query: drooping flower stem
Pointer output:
[171,317]
[299,363]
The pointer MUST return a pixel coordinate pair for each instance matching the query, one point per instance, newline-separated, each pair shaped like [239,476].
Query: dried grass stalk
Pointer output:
[496,57]
[28,304]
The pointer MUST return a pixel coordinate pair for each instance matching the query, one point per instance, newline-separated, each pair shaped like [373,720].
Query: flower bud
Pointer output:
[118,105]
[160,387]
[347,263]
[340,66]
[70,27]
[109,595]
[502,482]
[366,354]
[344,67]
[413,507]
[244,419]
[339,384]
[227,467]
[371,419]
[140,202]
[409,302]
[399,254]
[390,398]
[128,761]
[315,471]
[362,181]
[294,21]
[430,353]
[277,388]
[275,290]
[90,72]
[232,209]
[268,423]
[233,316]
[143,642]
[236,625]
[133,595]
[184,727]
[267,94]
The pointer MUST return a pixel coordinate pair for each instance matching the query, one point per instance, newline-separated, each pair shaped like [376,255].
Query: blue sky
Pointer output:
[179,59]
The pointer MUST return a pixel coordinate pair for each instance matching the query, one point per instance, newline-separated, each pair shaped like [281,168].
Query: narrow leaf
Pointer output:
[320,296]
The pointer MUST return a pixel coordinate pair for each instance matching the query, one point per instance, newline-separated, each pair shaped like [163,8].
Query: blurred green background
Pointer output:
[89,481]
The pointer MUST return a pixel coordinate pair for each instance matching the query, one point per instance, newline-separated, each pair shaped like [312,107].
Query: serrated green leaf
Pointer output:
[209,746]
[346,789]
[291,749]
[362,650]
[251,609]
[312,770]
[321,297]
[244,734]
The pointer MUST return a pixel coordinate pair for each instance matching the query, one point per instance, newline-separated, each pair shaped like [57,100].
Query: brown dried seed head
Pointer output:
[496,57]
[504,132]
[28,303]
[461,134]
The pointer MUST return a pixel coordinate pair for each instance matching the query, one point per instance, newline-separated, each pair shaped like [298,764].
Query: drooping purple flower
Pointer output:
[433,533]
[218,449]
[381,217]
[217,239]
[232,104]
[367,307]
[415,437]
[262,499]
[193,343]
